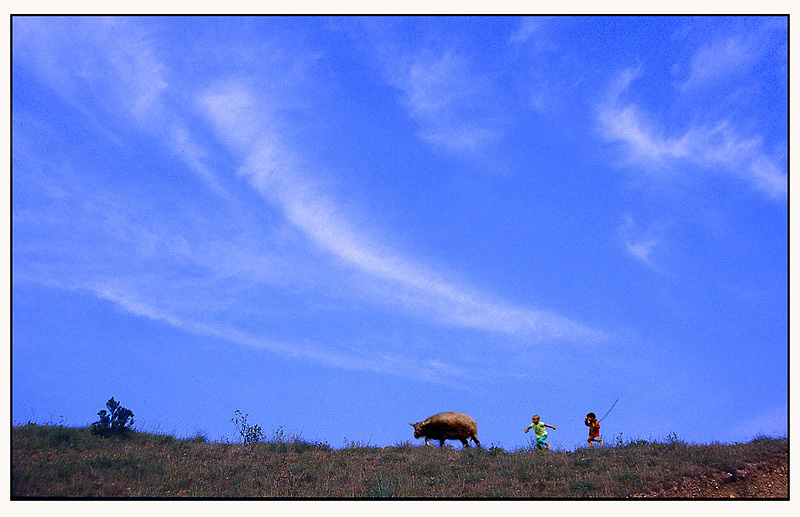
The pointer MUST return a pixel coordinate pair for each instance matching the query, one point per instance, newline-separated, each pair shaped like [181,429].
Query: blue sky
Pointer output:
[341,225]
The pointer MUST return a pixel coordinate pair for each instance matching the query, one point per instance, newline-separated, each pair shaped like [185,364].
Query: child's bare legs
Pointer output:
[541,444]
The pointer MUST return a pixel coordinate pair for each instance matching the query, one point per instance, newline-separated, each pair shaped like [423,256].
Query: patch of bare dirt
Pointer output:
[767,479]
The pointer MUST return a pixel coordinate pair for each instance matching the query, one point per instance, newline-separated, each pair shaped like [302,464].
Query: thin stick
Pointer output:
[609,410]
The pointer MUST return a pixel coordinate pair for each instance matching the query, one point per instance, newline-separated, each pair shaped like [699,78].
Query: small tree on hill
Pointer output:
[117,421]
[249,433]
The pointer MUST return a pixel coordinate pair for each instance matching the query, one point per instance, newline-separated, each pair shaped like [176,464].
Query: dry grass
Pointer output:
[54,461]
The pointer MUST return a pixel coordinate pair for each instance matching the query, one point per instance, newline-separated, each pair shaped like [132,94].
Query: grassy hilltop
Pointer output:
[57,461]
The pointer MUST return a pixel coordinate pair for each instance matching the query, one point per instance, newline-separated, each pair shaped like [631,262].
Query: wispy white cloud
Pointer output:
[184,145]
[715,148]
[199,272]
[641,249]
[527,27]
[276,173]
[447,98]
[77,56]
[716,60]
[729,57]
[130,299]
[639,243]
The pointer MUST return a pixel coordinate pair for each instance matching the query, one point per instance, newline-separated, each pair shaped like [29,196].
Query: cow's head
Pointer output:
[418,428]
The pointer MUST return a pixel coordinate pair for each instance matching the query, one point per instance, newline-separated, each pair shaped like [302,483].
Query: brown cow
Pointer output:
[447,426]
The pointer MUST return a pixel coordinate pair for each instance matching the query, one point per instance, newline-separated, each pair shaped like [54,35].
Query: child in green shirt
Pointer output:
[541,432]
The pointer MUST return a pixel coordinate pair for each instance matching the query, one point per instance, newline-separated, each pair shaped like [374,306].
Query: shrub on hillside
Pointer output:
[249,433]
[117,421]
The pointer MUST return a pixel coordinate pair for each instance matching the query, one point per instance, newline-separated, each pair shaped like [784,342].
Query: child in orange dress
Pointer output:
[594,429]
